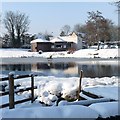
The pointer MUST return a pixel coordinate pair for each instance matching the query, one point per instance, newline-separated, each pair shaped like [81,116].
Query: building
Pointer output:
[40,44]
[64,43]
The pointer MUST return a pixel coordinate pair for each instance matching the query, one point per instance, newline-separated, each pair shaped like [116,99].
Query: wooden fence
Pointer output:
[11,91]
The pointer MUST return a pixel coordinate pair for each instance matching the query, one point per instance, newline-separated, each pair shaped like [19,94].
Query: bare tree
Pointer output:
[117,4]
[6,41]
[16,25]
[97,28]
[21,26]
[47,35]
[9,22]
[77,28]
[62,33]
[66,29]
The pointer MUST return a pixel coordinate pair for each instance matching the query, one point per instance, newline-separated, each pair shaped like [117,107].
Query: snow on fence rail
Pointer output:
[11,92]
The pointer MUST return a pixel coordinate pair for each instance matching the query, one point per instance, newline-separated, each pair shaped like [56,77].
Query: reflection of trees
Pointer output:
[105,70]
[60,66]
[42,66]
[17,67]
[88,70]
[99,70]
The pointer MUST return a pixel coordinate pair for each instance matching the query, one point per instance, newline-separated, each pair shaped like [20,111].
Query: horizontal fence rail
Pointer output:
[11,77]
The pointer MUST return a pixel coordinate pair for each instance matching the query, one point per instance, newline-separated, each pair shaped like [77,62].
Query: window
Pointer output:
[64,46]
[52,46]
[58,46]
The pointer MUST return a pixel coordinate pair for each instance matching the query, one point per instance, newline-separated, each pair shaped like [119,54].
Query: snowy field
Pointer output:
[83,53]
[50,88]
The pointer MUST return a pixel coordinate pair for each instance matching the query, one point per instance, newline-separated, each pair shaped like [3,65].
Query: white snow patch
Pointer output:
[82,53]
[106,109]
[52,112]
[110,92]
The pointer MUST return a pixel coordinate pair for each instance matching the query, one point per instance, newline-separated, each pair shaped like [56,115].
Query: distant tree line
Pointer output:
[96,29]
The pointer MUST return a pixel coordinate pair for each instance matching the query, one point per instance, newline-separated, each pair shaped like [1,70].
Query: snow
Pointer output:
[12,73]
[52,112]
[50,88]
[106,109]
[83,102]
[38,40]
[103,91]
[19,53]
[57,39]
[102,53]
[82,53]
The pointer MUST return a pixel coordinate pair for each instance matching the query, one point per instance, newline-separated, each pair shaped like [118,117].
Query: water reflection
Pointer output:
[16,67]
[64,69]
[100,70]
[59,66]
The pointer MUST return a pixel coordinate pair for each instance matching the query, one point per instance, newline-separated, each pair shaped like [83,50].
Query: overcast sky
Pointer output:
[52,16]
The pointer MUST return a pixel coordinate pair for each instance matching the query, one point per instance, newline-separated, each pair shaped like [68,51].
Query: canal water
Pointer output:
[61,69]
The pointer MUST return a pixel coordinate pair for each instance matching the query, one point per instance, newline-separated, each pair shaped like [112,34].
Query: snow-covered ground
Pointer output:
[50,88]
[83,53]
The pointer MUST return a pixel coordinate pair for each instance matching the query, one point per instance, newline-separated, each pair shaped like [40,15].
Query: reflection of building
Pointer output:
[34,67]
[72,41]
[71,70]
[66,67]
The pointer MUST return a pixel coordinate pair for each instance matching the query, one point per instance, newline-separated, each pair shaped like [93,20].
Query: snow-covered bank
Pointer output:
[83,53]
[50,87]
[102,56]
[32,60]
[106,109]
[52,112]
[48,90]
[93,111]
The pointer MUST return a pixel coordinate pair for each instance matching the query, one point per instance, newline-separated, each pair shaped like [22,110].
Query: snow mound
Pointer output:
[106,109]
[110,92]
[71,111]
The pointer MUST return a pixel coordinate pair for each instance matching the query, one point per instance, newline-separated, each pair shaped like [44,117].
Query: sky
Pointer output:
[52,16]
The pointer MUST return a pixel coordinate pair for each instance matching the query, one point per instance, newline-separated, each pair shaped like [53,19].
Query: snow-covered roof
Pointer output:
[57,39]
[38,40]
[65,39]
[69,39]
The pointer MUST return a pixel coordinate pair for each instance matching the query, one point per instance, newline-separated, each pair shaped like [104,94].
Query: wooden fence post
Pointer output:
[11,91]
[79,89]
[32,88]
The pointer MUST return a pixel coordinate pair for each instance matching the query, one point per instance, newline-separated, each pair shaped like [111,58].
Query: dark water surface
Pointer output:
[61,69]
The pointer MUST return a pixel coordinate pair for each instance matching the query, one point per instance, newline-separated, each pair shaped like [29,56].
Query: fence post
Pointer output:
[32,88]
[11,91]
[79,89]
